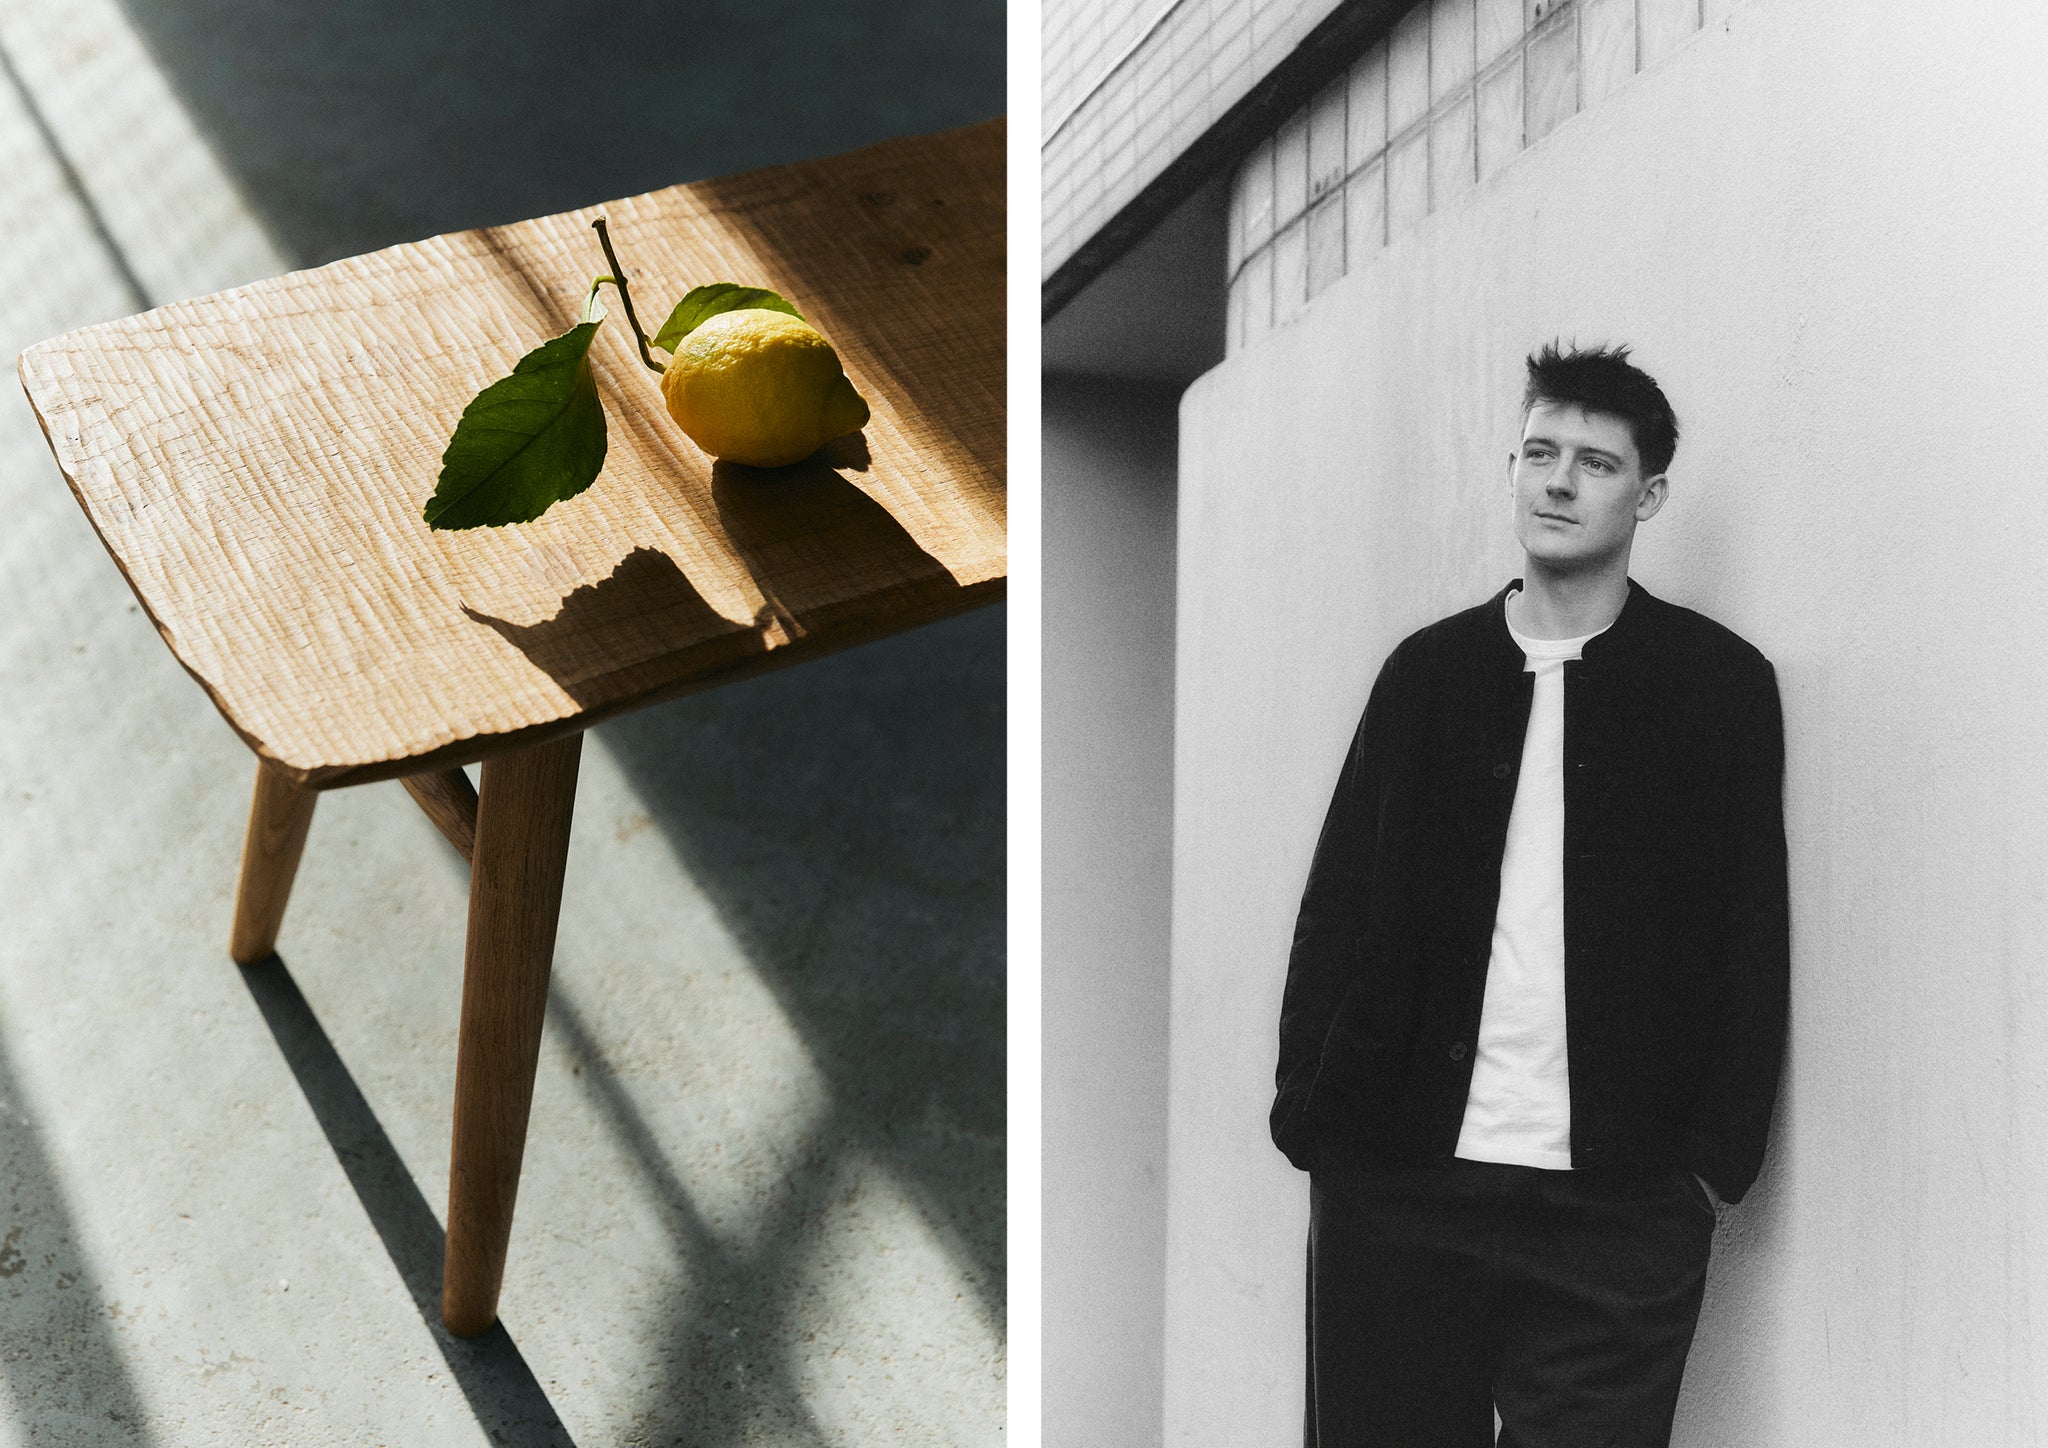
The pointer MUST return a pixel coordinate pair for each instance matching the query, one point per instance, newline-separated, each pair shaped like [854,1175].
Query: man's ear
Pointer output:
[1655,490]
[1511,470]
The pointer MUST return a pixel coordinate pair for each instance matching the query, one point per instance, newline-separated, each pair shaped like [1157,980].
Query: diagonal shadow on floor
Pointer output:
[51,1304]
[354,125]
[503,1393]
[848,821]
[731,1385]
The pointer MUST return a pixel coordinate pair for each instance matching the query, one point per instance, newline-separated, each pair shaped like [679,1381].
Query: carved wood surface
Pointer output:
[256,461]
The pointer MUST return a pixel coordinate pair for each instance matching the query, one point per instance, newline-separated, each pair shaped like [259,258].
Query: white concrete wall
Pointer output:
[1108,509]
[1822,224]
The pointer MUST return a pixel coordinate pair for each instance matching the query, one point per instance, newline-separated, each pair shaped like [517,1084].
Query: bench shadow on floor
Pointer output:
[848,821]
[502,1392]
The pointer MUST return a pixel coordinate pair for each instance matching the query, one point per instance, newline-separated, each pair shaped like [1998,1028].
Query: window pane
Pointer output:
[1326,140]
[1290,169]
[1500,116]
[1366,111]
[1365,220]
[1325,244]
[1256,182]
[1450,154]
[1408,70]
[1450,47]
[1498,25]
[1551,79]
[1607,47]
[1290,273]
[1407,183]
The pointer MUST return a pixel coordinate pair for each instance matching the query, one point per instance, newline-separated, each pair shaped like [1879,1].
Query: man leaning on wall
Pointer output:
[1536,1004]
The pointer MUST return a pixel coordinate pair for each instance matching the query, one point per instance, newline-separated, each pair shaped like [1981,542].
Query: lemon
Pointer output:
[760,388]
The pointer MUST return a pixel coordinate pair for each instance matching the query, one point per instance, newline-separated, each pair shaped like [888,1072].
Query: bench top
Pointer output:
[256,462]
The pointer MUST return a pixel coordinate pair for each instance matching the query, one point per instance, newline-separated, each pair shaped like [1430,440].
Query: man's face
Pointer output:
[1579,488]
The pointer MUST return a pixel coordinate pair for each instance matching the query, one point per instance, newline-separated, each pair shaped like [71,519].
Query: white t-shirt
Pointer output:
[1519,1107]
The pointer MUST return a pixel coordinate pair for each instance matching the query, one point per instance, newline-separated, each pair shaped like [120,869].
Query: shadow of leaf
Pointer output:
[616,639]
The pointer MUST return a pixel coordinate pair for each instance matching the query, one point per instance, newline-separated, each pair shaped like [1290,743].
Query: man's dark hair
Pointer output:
[1602,379]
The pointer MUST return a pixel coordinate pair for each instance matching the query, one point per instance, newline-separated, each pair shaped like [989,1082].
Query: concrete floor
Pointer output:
[763,1199]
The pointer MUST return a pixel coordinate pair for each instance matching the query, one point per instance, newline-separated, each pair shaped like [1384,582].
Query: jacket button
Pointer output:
[1500,771]
[1457,1050]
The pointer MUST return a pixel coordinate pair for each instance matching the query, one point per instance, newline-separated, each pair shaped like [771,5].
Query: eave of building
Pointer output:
[1347,32]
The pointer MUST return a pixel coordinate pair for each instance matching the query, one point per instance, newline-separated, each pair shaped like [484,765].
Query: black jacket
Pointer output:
[1675,921]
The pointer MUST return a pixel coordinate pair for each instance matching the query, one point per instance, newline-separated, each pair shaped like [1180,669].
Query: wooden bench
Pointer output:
[256,462]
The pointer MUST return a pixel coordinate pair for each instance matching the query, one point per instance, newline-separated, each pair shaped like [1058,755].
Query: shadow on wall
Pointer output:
[847,819]
[355,126]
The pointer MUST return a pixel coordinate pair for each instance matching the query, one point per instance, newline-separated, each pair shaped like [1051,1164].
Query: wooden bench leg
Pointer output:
[450,802]
[515,898]
[279,816]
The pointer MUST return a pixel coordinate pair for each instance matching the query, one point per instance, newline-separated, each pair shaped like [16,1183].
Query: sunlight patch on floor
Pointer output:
[892,1338]
[171,208]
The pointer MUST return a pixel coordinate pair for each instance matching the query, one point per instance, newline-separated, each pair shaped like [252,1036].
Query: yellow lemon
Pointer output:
[760,388]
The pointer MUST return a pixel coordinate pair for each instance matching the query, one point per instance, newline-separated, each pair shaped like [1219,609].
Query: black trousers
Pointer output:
[1438,1294]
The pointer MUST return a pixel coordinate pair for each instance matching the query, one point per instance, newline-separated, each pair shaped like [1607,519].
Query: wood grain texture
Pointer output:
[280,814]
[256,462]
[515,897]
[448,799]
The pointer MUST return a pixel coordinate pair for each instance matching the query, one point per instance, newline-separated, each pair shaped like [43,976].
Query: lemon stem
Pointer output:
[618,279]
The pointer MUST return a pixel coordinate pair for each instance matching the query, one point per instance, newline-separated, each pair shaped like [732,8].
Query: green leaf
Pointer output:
[528,440]
[704,302]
